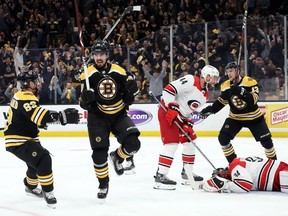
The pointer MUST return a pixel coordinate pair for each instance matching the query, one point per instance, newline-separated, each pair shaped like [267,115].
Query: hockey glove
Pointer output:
[131,85]
[87,98]
[205,112]
[131,89]
[238,91]
[172,112]
[187,127]
[216,184]
[69,116]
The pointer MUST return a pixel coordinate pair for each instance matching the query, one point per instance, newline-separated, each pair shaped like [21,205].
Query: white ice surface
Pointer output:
[133,195]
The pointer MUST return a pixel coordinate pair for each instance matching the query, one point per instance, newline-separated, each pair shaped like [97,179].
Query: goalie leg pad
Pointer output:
[284,181]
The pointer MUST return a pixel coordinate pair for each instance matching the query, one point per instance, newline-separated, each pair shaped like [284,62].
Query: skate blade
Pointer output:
[53,206]
[198,184]
[130,172]
[160,186]
[34,195]
[101,201]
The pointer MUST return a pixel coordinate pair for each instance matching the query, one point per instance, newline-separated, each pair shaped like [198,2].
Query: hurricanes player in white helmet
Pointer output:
[180,99]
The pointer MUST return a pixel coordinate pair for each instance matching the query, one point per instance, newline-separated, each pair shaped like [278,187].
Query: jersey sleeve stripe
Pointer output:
[170,89]
[244,184]
[38,115]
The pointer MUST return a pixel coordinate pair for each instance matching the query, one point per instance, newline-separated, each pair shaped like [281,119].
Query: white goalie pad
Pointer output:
[283,181]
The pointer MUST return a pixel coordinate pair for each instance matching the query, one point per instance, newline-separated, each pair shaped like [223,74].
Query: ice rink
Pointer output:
[133,195]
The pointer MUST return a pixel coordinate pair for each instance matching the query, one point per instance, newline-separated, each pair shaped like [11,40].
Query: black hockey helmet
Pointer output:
[25,77]
[100,46]
[232,65]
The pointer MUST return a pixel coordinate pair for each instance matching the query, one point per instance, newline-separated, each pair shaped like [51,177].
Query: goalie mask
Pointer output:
[222,172]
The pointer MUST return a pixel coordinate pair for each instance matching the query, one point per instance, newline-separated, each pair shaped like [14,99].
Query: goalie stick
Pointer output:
[187,168]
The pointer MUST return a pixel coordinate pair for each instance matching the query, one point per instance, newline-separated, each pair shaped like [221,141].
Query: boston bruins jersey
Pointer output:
[242,109]
[109,87]
[24,117]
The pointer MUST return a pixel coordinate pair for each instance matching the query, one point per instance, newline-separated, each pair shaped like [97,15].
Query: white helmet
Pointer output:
[211,71]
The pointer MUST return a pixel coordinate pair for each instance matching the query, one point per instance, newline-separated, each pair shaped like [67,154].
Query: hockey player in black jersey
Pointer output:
[21,131]
[112,91]
[242,94]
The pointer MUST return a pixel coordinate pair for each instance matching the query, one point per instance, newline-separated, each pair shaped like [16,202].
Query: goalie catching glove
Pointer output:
[216,184]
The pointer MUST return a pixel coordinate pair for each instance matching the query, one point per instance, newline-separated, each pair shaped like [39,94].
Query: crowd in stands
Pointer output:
[44,36]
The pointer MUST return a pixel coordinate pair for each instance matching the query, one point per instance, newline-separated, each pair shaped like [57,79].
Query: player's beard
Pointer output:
[100,63]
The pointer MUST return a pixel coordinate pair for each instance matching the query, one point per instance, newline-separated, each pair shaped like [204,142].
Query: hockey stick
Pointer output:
[181,129]
[127,10]
[187,168]
[82,45]
[242,35]
[84,61]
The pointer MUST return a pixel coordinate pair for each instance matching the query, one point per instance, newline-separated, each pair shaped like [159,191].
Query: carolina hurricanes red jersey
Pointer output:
[255,173]
[187,92]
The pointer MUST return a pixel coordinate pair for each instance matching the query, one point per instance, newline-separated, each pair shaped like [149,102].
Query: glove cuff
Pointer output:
[63,117]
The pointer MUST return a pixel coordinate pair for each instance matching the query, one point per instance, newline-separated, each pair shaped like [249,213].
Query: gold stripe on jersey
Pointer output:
[118,69]
[114,68]
[111,109]
[25,95]
[222,101]
[38,115]
[17,140]
[90,70]
[246,116]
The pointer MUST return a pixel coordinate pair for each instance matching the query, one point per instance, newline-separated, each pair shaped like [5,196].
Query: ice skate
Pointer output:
[118,167]
[162,182]
[50,199]
[36,192]
[185,180]
[129,168]
[102,194]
